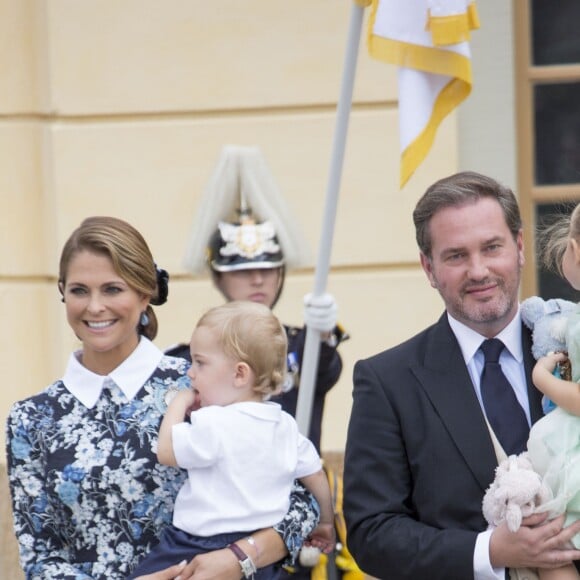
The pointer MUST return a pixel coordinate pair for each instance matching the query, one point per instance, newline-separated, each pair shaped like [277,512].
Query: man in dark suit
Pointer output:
[420,452]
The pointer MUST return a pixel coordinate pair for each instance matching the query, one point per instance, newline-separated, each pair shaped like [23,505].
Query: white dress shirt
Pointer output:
[512,364]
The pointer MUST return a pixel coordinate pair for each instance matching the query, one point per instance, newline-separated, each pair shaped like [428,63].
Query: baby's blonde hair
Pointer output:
[249,332]
[555,239]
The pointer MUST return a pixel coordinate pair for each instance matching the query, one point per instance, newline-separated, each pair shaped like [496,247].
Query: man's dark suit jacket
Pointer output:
[418,459]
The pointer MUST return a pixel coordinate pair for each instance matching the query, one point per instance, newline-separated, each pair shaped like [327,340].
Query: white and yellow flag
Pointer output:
[428,40]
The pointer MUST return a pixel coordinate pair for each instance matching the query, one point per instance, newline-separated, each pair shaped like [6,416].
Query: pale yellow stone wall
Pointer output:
[121,107]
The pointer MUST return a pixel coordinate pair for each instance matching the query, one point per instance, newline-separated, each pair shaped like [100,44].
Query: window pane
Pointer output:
[550,284]
[557,133]
[555,38]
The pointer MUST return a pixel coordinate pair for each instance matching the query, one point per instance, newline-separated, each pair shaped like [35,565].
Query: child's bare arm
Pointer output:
[565,394]
[175,414]
[323,536]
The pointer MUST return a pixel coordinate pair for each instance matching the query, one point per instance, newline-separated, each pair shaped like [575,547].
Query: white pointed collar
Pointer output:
[129,376]
[470,341]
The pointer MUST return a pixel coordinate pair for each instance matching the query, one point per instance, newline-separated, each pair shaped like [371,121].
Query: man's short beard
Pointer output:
[492,311]
[483,314]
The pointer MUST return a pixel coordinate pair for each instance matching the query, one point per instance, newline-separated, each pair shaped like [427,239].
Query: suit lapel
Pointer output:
[447,383]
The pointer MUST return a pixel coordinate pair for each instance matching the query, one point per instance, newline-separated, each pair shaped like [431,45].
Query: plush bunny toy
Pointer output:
[515,493]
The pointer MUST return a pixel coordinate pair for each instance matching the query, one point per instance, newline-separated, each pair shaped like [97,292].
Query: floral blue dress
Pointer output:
[89,497]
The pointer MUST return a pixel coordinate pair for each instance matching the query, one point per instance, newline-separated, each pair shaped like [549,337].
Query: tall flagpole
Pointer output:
[312,344]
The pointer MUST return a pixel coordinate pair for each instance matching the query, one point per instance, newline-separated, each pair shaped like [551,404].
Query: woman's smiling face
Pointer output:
[102,309]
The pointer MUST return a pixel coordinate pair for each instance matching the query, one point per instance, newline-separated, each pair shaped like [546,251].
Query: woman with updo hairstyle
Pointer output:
[131,259]
[89,496]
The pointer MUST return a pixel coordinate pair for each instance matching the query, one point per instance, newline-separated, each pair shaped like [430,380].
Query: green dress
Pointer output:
[554,445]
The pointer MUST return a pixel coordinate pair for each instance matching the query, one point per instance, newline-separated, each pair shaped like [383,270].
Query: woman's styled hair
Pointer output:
[554,237]
[458,190]
[130,255]
[249,332]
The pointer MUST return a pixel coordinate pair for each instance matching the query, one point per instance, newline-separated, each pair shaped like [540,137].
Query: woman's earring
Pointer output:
[144,320]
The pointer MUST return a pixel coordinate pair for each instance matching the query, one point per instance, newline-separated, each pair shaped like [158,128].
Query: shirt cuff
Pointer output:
[482,568]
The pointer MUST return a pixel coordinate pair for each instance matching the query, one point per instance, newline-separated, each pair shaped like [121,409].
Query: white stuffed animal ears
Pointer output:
[515,493]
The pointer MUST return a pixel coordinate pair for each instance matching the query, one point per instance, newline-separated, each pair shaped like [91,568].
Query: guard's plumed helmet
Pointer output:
[243,222]
[244,245]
